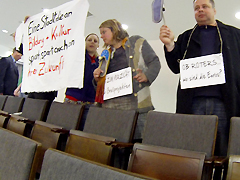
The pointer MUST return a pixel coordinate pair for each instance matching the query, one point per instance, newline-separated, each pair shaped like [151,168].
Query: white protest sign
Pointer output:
[202,71]
[54,48]
[118,83]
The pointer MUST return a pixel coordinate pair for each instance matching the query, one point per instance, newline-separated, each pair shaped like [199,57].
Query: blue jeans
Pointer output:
[214,106]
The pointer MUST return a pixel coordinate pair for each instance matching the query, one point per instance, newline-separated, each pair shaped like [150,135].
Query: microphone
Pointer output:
[157,11]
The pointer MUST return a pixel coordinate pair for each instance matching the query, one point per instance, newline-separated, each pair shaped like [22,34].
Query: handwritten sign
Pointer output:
[118,83]
[54,48]
[202,71]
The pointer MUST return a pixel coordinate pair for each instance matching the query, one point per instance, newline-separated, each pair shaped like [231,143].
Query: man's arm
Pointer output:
[167,38]
[3,68]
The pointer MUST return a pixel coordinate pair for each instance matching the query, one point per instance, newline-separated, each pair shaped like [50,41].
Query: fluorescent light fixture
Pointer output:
[45,10]
[237,15]
[5,31]
[124,26]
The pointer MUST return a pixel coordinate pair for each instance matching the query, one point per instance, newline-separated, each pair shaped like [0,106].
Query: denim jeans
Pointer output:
[214,106]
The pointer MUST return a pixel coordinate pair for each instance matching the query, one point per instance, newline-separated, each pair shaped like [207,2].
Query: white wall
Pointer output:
[4,51]
[163,89]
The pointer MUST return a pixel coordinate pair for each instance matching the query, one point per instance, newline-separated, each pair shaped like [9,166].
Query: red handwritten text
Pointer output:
[34,42]
[51,68]
[30,72]
[62,32]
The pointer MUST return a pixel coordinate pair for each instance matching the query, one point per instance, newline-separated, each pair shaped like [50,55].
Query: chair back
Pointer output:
[166,163]
[3,99]
[233,172]
[181,131]
[42,132]
[13,104]
[61,166]
[234,140]
[90,146]
[33,109]
[18,157]
[65,115]
[119,124]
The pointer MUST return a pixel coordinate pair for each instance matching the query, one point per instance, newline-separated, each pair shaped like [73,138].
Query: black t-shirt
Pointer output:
[210,44]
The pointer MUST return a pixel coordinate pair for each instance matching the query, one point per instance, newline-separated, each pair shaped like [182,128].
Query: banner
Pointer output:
[202,71]
[54,48]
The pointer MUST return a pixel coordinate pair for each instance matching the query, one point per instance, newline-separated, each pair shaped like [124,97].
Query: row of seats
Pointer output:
[20,156]
[166,133]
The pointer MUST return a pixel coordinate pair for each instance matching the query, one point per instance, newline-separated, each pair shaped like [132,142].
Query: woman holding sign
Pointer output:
[86,95]
[126,52]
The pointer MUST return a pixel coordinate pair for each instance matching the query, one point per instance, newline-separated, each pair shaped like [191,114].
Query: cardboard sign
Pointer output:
[54,48]
[118,83]
[202,71]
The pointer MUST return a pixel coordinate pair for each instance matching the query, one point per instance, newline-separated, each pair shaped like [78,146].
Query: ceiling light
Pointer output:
[5,31]
[124,26]
[45,10]
[237,15]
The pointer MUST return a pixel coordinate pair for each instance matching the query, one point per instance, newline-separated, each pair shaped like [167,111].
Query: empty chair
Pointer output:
[183,131]
[18,157]
[65,115]
[53,133]
[33,109]
[61,166]
[234,140]
[166,163]
[3,99]
[90,146]
[233,172]
[233,149]
[12,105]
[118,124]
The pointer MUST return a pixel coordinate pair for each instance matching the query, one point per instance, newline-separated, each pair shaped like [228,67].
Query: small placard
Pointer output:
[202,71]
[118,83]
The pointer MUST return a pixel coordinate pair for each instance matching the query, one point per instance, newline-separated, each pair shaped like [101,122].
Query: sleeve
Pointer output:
[3,68]
[175,55]
[152,62]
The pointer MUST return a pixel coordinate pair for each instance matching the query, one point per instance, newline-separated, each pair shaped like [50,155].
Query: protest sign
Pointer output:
[118,83]
[202,71]
[54,48]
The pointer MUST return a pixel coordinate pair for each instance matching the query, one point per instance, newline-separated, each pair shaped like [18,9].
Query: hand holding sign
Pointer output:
[140,77]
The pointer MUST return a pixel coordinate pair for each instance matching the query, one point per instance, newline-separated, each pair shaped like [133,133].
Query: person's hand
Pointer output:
[140,77]
[96,74]
[16,92]
[167,37]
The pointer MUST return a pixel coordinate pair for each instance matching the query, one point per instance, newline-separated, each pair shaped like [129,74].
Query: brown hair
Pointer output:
[96,54]
[90,35]
[116,27]
[211,1]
